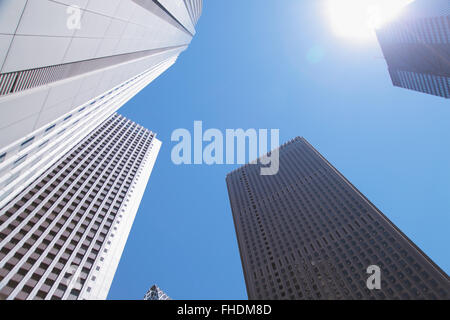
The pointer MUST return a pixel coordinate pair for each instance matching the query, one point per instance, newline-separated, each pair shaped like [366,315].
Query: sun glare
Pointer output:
[358,19]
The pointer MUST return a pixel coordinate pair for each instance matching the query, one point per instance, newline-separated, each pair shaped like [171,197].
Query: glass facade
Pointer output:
[416,47]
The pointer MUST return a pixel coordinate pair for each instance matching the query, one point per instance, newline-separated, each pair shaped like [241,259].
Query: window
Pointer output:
[43,144]
[68,117]
[2,157]
[50,128]
[26,142]
[19,161]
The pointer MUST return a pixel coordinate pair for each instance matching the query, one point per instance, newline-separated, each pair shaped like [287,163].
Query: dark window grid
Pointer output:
[102,226]
[25,239]
[55,172]
[351,209]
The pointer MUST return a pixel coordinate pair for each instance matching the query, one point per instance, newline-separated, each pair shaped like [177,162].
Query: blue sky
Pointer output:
[277,64]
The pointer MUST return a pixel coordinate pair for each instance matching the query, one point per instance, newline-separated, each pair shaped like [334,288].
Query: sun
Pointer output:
[358,19]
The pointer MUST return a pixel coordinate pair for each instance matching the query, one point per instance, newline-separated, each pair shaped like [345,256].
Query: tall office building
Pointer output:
[155,293]
[416,46]
[62,236]
[308,233]
[72,172]
[66,66]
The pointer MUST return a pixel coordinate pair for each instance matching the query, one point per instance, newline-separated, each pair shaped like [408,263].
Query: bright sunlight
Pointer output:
[357,19]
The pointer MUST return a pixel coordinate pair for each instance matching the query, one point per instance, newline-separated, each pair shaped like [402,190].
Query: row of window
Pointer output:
[92,205]
[50,128]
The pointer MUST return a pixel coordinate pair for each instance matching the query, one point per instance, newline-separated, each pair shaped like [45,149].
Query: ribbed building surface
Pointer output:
[62,236]
[155,293]
[27,159]
[60,64]
[195,9]
[416,46]
[308,233]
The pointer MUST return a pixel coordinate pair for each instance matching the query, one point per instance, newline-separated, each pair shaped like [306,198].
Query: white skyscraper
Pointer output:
[63,235]
[65,66]
[72,171]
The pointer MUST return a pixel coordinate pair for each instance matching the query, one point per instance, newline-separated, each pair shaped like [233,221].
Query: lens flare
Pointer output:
[358,19]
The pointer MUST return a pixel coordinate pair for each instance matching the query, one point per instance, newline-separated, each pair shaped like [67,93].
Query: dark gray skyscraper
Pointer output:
[416,46]
[308,233]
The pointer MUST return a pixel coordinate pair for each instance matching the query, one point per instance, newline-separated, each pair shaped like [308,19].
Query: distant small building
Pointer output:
[155,293]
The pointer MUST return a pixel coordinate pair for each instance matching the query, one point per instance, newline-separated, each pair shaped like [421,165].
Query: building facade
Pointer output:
[416,46]
[66,66]
[63,235]
[155,293]
[308,233]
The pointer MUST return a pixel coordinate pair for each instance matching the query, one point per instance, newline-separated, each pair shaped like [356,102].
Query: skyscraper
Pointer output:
[155,293]
[416,46]
[72,172]
[308,233]
[63,235]
[64,69]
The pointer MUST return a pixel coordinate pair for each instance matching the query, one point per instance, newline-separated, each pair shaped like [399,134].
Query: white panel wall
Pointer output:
[34,34]
[5,42]
[108,27]
[178,9]
[10,12]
